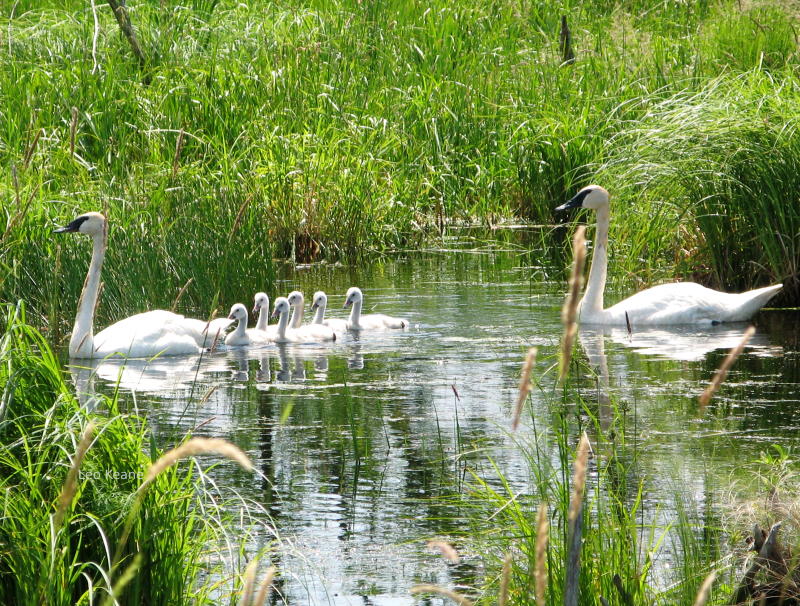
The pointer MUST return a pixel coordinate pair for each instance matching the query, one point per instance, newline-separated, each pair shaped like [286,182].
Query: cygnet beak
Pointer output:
[347,303]
[314,306]
[231,316]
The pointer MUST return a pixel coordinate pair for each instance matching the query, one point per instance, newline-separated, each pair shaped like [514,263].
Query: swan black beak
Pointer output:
[70,227]
[575,202]
[314,306]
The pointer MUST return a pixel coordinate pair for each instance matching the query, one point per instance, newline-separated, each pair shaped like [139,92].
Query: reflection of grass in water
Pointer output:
[76,510]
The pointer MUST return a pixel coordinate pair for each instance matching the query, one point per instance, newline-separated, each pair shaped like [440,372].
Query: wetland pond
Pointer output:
[360,443]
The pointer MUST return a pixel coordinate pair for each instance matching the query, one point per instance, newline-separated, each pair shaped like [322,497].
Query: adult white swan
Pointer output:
[318,305]
[369,321]
[139,336]
[675,303]
[241,335]
[310,333]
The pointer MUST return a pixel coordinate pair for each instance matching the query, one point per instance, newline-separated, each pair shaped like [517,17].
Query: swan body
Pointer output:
[369,321]
[665,304]
[311,333]
[241,335]
[297,301]
[143,335]
[318,305]
[261,307]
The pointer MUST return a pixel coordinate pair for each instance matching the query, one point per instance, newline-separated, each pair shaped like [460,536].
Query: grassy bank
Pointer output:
[322,130]
[83,519]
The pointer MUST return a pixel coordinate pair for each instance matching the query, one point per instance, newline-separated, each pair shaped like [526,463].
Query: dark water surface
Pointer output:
[359,443]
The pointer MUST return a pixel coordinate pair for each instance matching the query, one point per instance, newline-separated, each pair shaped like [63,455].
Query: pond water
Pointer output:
[359,443]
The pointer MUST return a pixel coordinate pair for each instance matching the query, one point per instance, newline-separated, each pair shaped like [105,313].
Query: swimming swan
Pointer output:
[675,303]
[298,302]
[241,335]
[261,307]
[140,336]
[369,321]
[319,304]
[311,333]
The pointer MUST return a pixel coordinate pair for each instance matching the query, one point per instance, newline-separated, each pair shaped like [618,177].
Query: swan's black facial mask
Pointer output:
[71,227]
[577,201]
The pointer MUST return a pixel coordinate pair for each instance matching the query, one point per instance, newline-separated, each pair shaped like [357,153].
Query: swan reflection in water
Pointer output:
[680,343]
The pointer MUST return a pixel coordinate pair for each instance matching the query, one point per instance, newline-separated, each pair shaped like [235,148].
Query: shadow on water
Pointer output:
[361,444]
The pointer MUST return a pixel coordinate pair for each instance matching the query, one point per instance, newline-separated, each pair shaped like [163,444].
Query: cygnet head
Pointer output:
[593,197]
[260,301]
[238,312]
[320,300]
[295,298]
[281,307]
[88,223]
[353,295]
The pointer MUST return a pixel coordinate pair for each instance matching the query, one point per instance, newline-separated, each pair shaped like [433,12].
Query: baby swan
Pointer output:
[261,307]
[143,335]
[241,335]
[675,303]
[369,321]
[311,333]
[319,304]
[298,302]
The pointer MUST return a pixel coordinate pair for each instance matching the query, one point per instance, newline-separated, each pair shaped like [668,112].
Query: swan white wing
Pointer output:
[310,333]
[685,303]
[377,322]
[147,334]
[204,332]
[337,324]
[251,336]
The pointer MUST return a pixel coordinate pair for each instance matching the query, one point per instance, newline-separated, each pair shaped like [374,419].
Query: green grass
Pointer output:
[333,128]
[78,552]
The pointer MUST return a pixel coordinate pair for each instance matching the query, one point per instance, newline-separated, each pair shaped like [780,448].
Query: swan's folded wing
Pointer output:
[147,334]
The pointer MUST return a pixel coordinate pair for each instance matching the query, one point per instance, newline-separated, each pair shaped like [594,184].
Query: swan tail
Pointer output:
[753,300]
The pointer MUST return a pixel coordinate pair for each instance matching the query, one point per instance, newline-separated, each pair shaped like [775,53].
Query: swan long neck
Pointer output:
[263,318]
[297,315]
[593,298]
[241,328]
[319,316]
[355,313]
[81,343]
[283,321]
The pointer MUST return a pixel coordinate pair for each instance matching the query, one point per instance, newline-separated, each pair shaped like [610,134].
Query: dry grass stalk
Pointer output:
[579,478]
[239,216]
[705,589]
[180,294]
[178,148]
[505,579]
[31,149]
[193,447]
[444,592]
[524,386]
[249,583]
[542,537]
[446,549]
[722,371]
[71,482]
[73,126]
[266,586]
[569,313]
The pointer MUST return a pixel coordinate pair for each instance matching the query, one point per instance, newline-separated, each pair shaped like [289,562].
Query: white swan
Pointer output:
[139,336]
[369,321]
[241,335]
[311,333]
[675,303]
[261,307]
[298,302]
[319,304]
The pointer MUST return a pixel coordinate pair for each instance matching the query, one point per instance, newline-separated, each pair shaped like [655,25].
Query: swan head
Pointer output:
[593,197]
[88,223]
[238,312]
[353,295]
[260,301]
[320,300]
[281,307]
[296,298]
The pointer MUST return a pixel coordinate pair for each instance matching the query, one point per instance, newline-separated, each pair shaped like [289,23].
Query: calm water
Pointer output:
[358,443]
